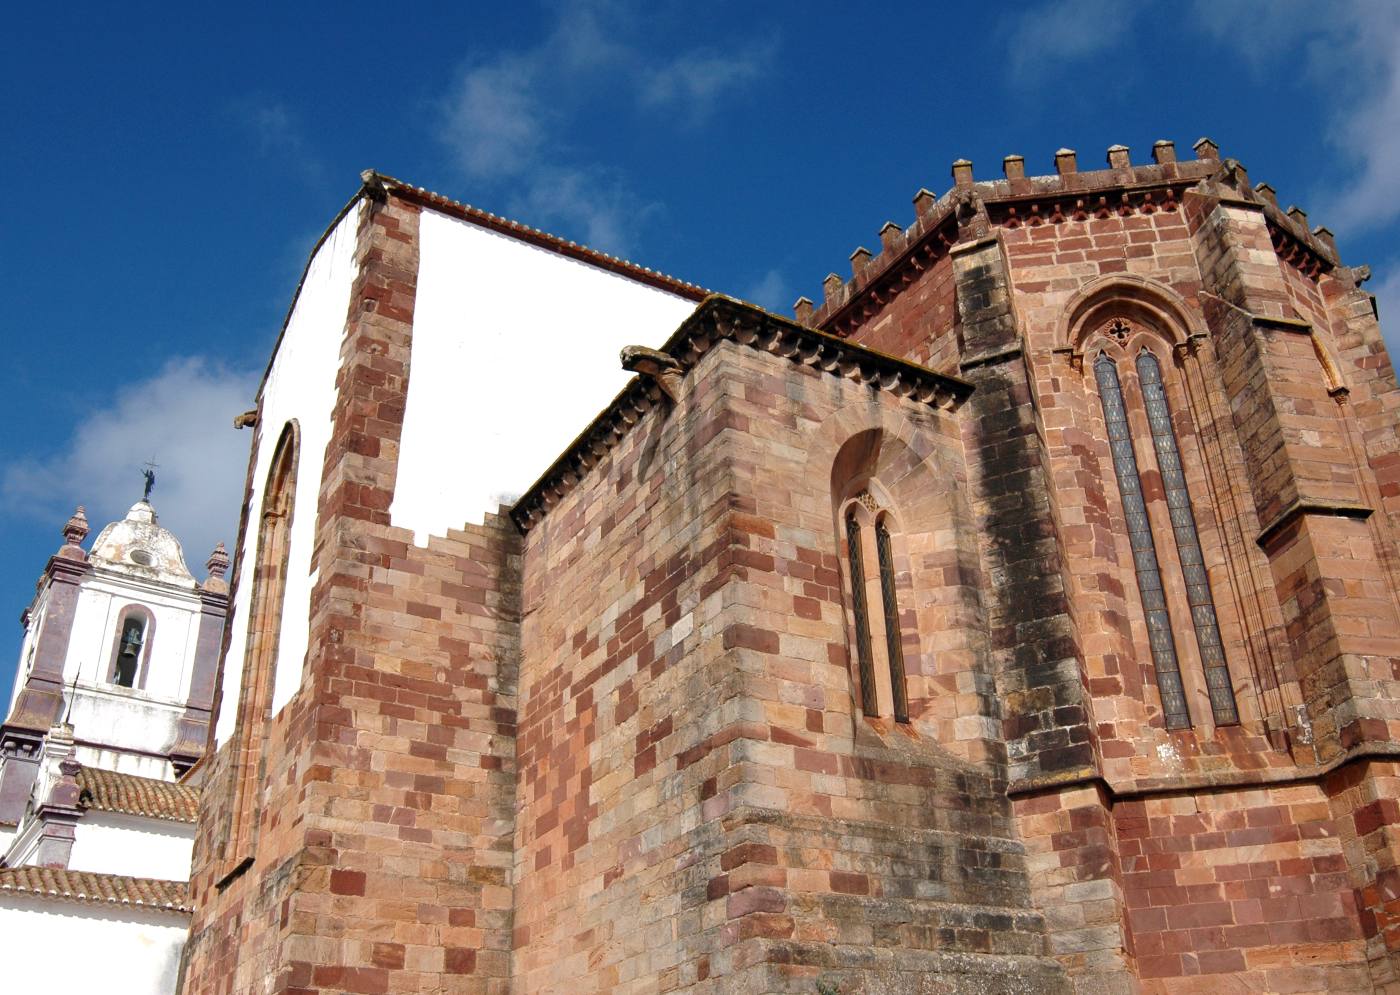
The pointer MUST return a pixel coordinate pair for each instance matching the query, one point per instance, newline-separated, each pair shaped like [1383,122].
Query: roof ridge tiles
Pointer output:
[96,888]
[373,179]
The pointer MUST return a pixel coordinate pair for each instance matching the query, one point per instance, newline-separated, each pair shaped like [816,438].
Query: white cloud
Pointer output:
[1387,292]
[278,133]
[1363,74]
[1349,49]
[182,418]
[505,120]
[771,292]
[1257,29]
[1353,55]
[694,82]
[1064,31]
[596,205]
[494,118]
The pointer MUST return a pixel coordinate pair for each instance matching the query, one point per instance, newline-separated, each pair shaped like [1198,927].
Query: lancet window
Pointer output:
[1188,541]
[864,663]
[269,578]
[893,638]
[1127,448]
[879,661]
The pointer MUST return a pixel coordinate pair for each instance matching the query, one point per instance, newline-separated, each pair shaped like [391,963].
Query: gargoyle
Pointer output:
[664,370]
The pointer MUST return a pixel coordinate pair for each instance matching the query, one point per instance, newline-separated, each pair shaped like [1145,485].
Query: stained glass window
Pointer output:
[1149,573]
[867,672]
[1188,543]
[893,641]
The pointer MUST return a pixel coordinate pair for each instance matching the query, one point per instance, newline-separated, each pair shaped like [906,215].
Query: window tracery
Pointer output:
[1160,640]
[1151,401]
[269,576]
[1188,542]
[866,520]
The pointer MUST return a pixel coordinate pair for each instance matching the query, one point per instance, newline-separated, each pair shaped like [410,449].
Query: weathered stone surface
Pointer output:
[618,742]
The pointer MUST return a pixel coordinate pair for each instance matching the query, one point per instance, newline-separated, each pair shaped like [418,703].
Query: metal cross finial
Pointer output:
[150,474]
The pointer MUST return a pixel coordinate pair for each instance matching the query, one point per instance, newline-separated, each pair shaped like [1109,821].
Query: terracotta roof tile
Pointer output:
[682,288]
[98,889]
[109,791]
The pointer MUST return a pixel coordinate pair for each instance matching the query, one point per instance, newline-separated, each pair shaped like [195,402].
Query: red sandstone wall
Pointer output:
[700,805]
[707,810]
[1308,611]
[383,855]
[902,329]
[1248,882]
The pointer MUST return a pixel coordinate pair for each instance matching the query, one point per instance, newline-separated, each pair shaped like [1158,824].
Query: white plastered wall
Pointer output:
[115,843]
[515,350]
[49,945]
[27,647]
[170,640]
[300,385]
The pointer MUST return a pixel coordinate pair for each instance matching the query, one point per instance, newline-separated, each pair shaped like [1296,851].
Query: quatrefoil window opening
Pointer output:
[1119,329]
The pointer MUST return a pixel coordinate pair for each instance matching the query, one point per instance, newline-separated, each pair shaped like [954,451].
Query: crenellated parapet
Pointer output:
[972,208]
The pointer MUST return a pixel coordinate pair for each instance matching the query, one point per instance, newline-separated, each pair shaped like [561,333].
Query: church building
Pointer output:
[1023,617]
[101,741]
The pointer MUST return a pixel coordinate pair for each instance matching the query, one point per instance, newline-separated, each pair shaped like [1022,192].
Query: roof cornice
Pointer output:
[376,182]
[720,319]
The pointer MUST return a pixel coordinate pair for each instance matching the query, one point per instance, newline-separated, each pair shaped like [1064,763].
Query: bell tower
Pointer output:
[120,644]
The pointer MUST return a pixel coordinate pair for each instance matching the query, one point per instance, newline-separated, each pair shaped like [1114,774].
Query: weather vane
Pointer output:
[150,474]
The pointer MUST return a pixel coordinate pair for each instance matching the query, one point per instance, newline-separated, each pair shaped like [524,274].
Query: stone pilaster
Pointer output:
[1325,532]
[1047,725]
[40,700]
[1309,496]
[192,733]
[1062,812]
[59,812]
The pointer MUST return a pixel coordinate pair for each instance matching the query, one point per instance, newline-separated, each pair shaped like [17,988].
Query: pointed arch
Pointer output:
[1132,331]
[1153,305]
[269,575]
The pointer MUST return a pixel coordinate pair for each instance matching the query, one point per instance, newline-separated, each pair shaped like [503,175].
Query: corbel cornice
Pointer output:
[723,319]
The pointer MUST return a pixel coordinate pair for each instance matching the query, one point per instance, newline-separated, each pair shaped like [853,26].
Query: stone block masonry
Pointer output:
[383,855]
[841,660]
[701,806]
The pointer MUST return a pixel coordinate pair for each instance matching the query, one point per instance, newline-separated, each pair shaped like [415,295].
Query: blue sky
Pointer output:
[170,166]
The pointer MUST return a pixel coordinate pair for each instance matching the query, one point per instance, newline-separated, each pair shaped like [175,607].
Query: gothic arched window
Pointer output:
[1188,540]
[893,638]
[881,676]
[856,565]
[269,578]
[1126,451]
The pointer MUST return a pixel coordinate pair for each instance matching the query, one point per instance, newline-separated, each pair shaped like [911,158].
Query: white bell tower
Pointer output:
[121,645]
